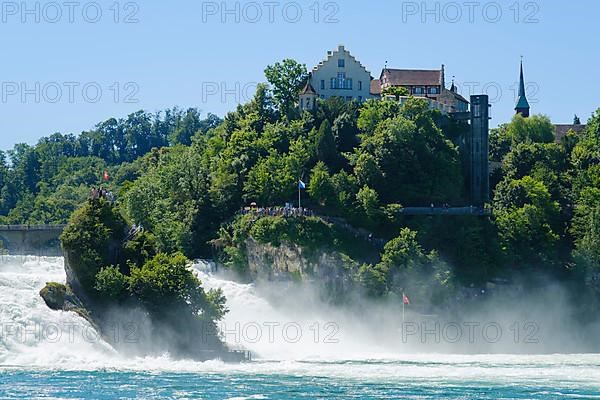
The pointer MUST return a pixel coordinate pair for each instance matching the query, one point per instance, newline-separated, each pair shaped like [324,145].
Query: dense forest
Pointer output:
[184,178]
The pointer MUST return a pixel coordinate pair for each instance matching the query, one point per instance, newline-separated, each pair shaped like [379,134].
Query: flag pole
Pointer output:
[403,308]
[299,196]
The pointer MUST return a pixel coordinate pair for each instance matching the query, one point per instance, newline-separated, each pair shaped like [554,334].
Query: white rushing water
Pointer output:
[33,336]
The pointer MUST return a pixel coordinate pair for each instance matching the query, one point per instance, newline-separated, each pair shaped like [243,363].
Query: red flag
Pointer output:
[106,176]
[405,299]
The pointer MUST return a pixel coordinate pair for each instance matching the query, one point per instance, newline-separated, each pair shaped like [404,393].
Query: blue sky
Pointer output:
[55,56]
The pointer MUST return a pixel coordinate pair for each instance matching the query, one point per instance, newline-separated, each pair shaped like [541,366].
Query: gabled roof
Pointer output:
[413,77]
[332,54]
[455,94]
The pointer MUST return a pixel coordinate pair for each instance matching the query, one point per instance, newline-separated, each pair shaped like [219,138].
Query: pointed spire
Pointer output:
[308,88]
[522,106]
[453,87]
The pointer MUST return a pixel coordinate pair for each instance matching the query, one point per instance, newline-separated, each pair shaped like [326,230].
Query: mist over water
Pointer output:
[289,321]
[297,341]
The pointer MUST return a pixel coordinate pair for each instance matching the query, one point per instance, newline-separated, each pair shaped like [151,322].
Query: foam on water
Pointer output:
[351,357]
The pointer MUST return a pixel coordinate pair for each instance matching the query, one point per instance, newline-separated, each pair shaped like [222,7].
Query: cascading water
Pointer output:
[298,352]
[31,333]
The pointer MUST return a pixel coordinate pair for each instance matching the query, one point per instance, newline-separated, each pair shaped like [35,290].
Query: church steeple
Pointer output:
[522,106]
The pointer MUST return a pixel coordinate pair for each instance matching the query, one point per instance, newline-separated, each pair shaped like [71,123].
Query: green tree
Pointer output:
[111,283]
[396,91]
[367,171]
[373,112]
[537,129]
[89,240]
[286,79]
[369,200]
[346,131]
[325,148]
[418,164]
[527,220]
[270,182]
[321,187]
[166,282]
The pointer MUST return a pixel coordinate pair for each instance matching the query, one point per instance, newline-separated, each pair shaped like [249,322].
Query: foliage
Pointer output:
[45,183]
[90,239]
[286,78]
[111,283]
[166,282]
[405,267]
[396,91]
[527,220]
[536,129]
[183,179]
[112,267]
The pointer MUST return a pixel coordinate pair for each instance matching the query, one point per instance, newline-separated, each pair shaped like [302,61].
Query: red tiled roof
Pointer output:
[413,77]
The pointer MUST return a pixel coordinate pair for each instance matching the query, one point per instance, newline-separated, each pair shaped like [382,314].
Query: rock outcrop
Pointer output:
[289,261]
[153,317]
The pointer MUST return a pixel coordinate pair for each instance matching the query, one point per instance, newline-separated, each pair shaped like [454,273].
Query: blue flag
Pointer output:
[301,185]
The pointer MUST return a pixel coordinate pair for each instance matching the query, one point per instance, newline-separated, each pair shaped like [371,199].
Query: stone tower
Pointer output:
[478,150]
[522,106]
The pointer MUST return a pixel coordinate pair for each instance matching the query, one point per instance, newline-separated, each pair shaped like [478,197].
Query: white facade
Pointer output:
[341,75]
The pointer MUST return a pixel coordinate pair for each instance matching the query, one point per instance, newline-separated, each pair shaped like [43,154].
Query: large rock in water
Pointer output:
[144,320]
[54,295]
[59,297]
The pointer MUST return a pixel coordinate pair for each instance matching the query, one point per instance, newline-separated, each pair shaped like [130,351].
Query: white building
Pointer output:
[341,75]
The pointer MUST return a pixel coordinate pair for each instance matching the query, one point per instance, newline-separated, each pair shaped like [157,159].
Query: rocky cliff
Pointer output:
[289,261]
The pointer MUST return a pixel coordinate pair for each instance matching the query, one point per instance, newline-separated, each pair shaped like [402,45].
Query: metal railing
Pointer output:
[32,227]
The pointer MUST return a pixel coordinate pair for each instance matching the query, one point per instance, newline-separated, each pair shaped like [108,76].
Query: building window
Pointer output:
[433,90]
[322,84]
[359,85]
[302,103]
[341,63]
[418,90]
[341,82]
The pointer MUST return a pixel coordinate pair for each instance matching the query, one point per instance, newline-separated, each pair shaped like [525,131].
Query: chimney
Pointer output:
[443,77]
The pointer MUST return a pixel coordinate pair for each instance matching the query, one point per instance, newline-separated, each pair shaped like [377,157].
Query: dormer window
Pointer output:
[341,63]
